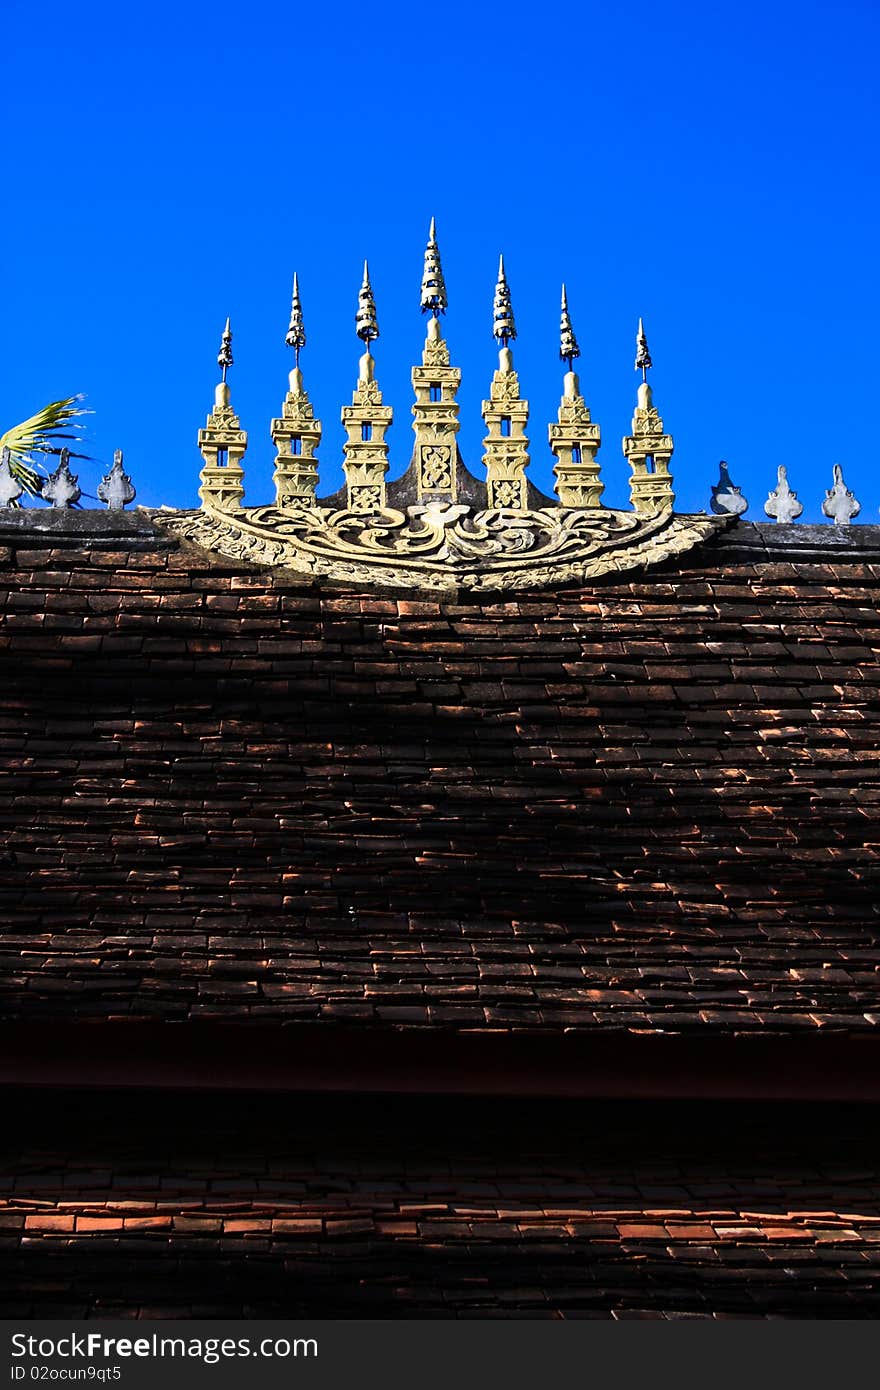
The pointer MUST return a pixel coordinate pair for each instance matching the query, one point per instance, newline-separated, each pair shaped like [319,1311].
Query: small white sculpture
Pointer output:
[782,503]
[727,498]
[840,504]
[10,488]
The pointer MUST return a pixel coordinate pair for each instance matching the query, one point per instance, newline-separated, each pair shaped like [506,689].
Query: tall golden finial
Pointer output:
[506,447]
[568,343]
[224,357]
[643,356]
[574,439]
[366,323]
[436,384]
[503,326]
[648,448]
[296,332]
[296,433]
[223,442]
[366,419]
[433,298]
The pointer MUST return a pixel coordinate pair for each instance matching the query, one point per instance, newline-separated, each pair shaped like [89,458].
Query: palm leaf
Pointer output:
[59,420]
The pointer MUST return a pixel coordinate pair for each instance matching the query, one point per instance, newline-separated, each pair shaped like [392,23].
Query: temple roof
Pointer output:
[640,804]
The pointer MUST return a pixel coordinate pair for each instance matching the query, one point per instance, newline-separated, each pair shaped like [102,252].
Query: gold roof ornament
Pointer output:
[436,463]
[296,434]
[223,442]
[574,439]
[648,448]
[366,420]
[433,297]
[438,526]
[568,343]
[296,331]
[365,320]
[506,414]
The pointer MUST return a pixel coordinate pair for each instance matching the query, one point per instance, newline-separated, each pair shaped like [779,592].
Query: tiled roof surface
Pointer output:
[157,1206]
[650,803]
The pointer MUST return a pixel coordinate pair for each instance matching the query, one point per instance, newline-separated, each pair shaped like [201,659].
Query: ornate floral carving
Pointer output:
[436,468]
[366,499]
[445,546]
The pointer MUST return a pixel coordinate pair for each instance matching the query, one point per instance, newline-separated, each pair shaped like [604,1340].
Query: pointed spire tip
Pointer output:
[224,357]
[643,357]
[296,331]
[503,326]
[433,294]
[366,322]
[568,343]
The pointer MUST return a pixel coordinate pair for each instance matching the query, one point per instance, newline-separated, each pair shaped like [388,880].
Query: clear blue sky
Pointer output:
[713,168]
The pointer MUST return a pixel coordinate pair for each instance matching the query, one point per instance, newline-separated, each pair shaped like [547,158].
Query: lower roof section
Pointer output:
[317,1058]
[242,1206]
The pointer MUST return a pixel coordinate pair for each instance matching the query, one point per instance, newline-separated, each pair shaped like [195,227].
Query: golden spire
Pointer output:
[366,323]
[433,298]
[643,356]
[574,439]
[296,332]
[568,344]
[648,448]
[506,447]
[296,434]
[366,419]
[223,442]
[503,326]
[224,357]
[436,384]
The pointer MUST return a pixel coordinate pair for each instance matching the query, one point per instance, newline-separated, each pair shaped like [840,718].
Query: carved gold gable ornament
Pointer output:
[439,526]
[446,545]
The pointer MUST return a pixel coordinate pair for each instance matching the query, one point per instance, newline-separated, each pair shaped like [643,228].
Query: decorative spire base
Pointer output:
[506,455]
[296,436]
[222,444]
[649,450]
[366,453]
[575,441]
[436,385]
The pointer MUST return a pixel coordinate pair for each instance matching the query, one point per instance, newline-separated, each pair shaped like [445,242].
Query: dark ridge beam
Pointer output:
[216,1056]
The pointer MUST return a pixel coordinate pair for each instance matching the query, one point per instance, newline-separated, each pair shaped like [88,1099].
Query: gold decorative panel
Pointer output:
[445,546]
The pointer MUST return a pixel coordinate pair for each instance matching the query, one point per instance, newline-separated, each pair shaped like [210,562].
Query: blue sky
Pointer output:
[711,168]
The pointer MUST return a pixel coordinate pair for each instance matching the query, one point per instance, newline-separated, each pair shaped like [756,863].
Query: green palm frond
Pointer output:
[43,433]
